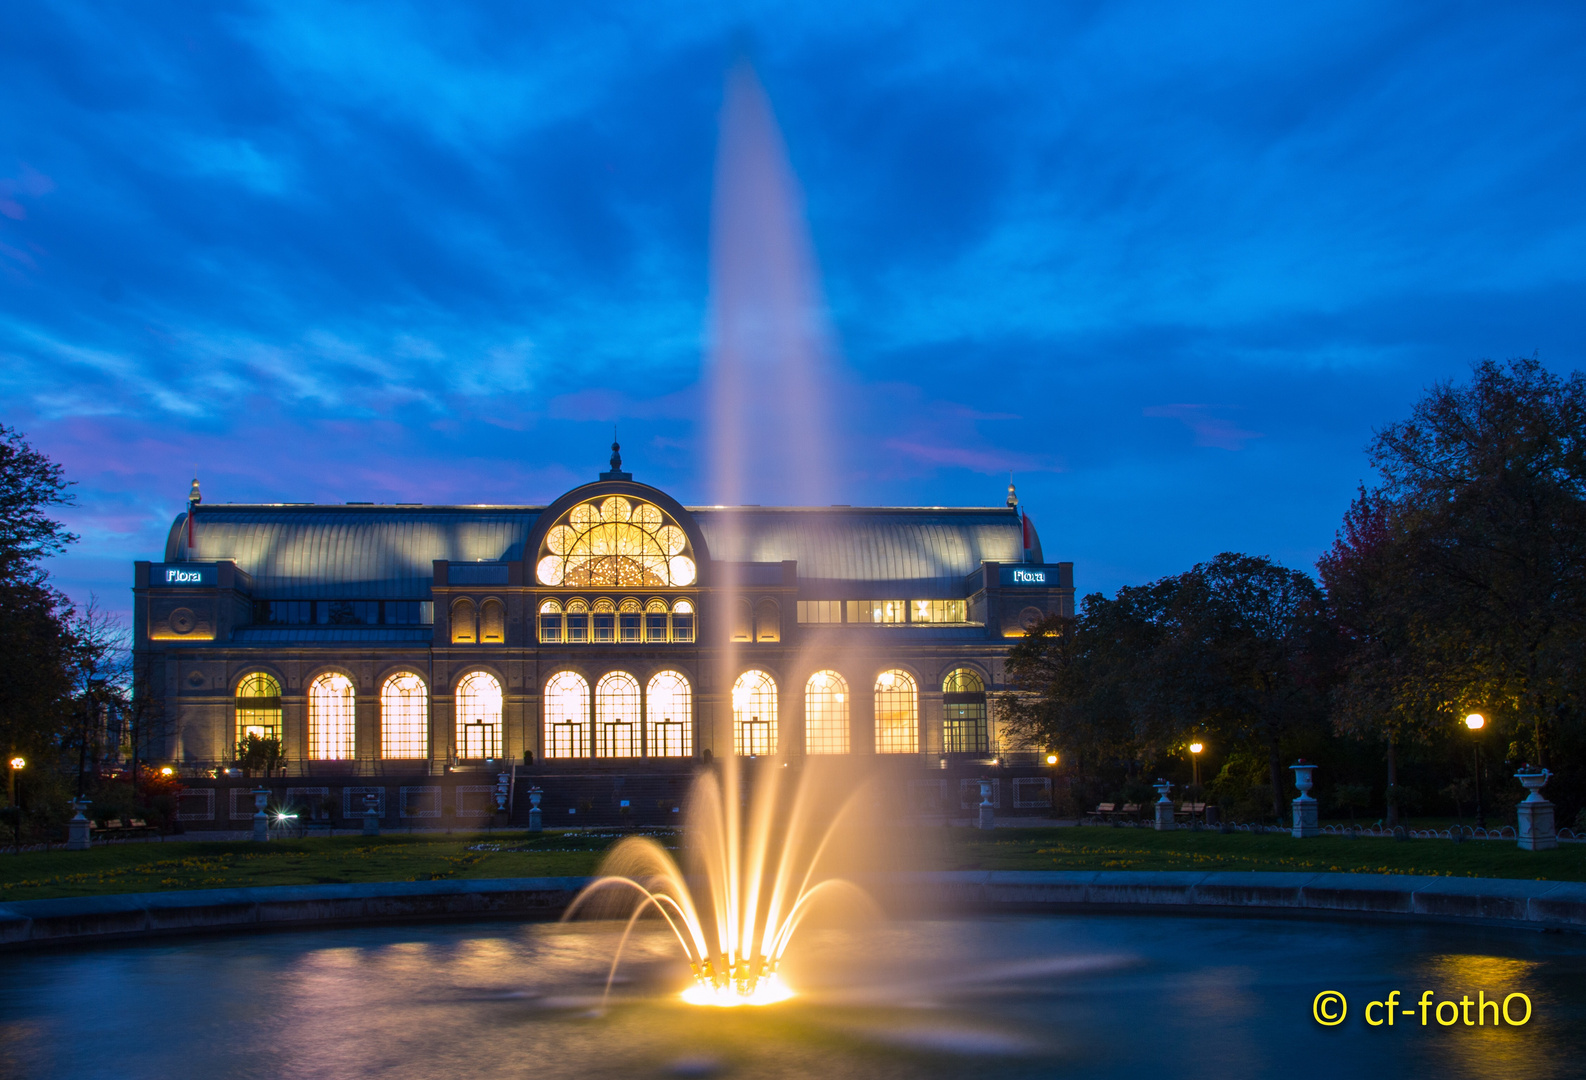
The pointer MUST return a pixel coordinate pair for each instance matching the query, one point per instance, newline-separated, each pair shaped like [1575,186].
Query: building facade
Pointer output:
[612,630]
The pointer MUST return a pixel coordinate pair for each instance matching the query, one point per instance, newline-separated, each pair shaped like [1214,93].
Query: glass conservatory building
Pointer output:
[611,630]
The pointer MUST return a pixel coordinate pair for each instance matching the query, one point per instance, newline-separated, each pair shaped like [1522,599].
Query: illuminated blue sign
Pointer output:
[184,575]
[1038,576]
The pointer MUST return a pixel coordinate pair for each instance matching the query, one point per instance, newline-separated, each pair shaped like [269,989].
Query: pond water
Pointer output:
[1011,997]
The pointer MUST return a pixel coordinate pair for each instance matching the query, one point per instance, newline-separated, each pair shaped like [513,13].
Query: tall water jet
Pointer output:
[762,858]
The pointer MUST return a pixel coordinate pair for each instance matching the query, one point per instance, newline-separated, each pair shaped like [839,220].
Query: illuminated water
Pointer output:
[1009,997]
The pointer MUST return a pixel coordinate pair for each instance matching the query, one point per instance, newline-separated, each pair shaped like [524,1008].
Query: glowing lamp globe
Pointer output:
[1475,721]
[17,763]
[1051,759]
[1196,747]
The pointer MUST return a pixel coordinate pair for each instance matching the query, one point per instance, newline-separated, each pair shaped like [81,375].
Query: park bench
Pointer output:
[1105,809]
[1192,810]
[1130,809]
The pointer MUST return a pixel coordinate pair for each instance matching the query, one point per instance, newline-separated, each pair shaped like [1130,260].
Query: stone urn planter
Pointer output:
[1164,806]
[1304,806]
[1537,829]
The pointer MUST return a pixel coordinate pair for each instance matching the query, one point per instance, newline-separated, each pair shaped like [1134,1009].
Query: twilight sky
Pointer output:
[1171,264]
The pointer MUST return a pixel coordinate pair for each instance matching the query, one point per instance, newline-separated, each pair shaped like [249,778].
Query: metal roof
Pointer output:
[348,552]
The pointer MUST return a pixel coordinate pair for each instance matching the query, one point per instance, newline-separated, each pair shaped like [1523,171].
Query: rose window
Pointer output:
[616,542]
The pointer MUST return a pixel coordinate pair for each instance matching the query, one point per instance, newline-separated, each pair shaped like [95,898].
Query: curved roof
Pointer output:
[320,551]
[308,552]
[932,549]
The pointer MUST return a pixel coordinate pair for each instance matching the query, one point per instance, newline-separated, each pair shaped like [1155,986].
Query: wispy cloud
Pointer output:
[1209,429]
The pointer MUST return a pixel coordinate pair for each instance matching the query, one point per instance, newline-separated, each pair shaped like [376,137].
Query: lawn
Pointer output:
[191,864]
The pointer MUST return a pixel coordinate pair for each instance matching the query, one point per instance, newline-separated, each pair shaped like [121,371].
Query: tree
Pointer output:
[1479,561]
[1238,646]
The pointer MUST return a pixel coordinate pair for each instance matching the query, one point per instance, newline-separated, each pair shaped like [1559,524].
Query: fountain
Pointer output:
[760,866]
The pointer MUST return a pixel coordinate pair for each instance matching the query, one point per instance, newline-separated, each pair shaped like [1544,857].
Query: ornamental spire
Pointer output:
[193,494]
[616,472]
[1013,496]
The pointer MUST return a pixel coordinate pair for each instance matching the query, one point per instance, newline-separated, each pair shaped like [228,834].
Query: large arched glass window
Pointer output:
[826,714]
[258,707]
[404,717]
[551,622]
[754,714]
[669,715]
[331,723]
[630,621]
[478,716]
[566,716]
[897,713]
[617,715]
[577,622]
[603,622]
[615,542]
[964,712]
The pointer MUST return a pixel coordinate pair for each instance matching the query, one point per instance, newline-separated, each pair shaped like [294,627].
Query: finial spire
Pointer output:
[194,496]
[1013,496]
[616,472]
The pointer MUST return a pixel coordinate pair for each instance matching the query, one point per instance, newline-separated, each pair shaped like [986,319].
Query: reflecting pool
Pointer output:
[1010,997]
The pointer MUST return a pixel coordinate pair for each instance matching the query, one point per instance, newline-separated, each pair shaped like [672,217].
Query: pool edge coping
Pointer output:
[1503,902]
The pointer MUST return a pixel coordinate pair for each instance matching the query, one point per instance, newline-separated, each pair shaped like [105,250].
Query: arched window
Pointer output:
[258,707]
[826,714]
[669,715]
[463,617]
[754,714]
[577,622]
[493,622]
[767,621]
[683,622]
[963,712]
[331,724]
[630,621]
[604,622]
[655,621]
[743,620]
[617,715]
[404,717]
[551,622]
[478,716]
[566,716]
[615,542]
[897,713]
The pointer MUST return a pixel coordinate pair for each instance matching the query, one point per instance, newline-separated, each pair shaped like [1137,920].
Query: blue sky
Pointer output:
[1171,264]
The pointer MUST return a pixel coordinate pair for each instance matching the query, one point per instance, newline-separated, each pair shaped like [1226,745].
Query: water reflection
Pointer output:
[1014,997]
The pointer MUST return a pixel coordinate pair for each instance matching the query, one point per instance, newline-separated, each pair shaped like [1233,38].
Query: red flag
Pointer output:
[190,531]
[1029,533]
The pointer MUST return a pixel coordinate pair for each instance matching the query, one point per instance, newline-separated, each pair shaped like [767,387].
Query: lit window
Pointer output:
[669,714]
[331,718]
[877,611]
[493,622]
[820,611]
[826,714]
[463,615]
[897,714]
[603,623]
[964,713]
[404,717]
[754,714]
[615,542]
[683,622]
[577,622]
[630,620]
[655,621]
[478,716]
[617,716]
[938,611]
[551,622]
[566,716]
[258,707]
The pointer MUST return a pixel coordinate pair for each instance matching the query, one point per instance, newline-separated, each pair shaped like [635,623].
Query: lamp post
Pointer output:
[17,765]
[1195,749]
[1475,722]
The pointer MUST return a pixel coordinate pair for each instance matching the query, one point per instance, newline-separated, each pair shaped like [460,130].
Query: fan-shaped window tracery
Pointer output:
[616,542]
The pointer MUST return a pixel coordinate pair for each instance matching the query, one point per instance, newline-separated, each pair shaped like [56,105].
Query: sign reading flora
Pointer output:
[1034,576]
[190,575]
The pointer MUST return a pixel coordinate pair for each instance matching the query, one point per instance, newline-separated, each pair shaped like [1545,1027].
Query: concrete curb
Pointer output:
[1549,905]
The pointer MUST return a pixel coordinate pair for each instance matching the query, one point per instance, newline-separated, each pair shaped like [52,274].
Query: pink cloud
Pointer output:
[963,457]
[1208,430]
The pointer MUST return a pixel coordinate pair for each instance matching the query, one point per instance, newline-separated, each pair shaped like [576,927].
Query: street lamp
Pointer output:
[1475,721]
[1051,759]
[17,765]
[1195,749]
